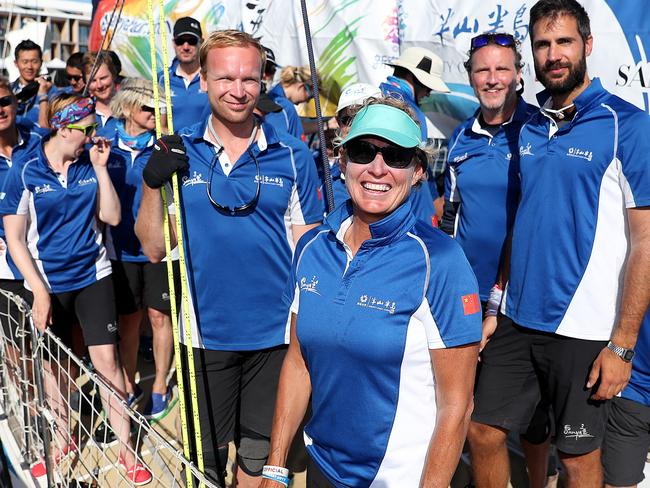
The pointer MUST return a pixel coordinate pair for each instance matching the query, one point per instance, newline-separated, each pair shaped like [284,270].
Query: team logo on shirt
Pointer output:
[366,301]
[526,151]
[46,188]
[461,158]
[195,179]
[309,287]
[88,181]
[575,152]
[269,180]
[111,327]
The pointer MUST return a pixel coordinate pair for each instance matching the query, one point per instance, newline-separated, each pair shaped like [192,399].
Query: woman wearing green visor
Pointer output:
[385,326]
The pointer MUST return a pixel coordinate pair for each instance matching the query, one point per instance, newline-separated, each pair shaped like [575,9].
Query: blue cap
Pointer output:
[387,122]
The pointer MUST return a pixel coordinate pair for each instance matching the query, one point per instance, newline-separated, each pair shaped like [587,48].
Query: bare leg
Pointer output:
[582,471]
[161,325]
[489,452]
[536,462]
[129,341]
[108,366]
[244,480]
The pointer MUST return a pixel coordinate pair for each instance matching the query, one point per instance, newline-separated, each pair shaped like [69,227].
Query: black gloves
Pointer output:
[168,156]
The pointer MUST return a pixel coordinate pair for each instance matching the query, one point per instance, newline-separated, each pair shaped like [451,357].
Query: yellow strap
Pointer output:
[181,251]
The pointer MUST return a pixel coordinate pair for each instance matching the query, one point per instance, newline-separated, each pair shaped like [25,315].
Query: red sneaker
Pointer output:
[136,474]
[38,469]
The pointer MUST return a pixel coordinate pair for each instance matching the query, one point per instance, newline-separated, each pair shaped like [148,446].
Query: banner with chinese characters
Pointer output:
[353,39]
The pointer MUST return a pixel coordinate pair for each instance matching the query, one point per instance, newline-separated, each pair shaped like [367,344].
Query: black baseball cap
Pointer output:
[187,26]
[270,57]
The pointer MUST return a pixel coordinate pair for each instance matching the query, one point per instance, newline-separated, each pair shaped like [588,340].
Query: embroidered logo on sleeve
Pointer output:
[471,304]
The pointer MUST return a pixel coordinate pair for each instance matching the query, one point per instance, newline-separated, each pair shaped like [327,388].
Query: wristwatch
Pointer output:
[625,354]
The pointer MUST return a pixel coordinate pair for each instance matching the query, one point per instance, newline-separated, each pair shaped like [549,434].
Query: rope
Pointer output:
[327,176]
[170,270]
[181,255]
[95,67]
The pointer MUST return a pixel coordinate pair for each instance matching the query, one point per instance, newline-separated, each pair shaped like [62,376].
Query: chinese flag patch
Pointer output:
[471,304]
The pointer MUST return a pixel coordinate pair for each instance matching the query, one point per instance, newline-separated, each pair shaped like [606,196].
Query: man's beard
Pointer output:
[562,86]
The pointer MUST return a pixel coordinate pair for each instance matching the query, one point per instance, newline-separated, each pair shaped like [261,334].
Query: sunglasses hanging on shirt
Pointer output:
[251,204]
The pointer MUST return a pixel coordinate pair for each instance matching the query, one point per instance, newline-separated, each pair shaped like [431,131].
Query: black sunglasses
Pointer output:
[74,77]
[482,40]
[363,152]
[6,101]
[192,41]
[146,108]
[245,208]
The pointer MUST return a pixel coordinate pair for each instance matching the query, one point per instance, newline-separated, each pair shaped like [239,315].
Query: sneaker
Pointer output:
[137,474]
[158,405]
[104,435]
[135,397]
[39,469]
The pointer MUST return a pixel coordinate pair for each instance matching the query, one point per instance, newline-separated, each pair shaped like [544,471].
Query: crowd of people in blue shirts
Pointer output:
[392,346]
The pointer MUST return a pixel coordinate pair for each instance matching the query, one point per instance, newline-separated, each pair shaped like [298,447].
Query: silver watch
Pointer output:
[625,354]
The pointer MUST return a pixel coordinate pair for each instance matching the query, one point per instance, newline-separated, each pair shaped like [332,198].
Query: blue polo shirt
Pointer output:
[125,167]
[238,265]
[482,175]
[188,100]
[366,324]
[638,388]
[63,234]
[288,116]
[29,134]
[571,234]
[107,125]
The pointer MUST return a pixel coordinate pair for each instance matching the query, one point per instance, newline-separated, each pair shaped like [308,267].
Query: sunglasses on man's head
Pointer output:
[482,40]
[88,130]
[6,101]
[191,40]
[364,152]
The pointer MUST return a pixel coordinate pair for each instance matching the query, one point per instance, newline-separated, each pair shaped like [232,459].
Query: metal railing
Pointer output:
[52,408]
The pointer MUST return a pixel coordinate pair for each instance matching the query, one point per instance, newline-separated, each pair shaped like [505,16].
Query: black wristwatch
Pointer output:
[625,354]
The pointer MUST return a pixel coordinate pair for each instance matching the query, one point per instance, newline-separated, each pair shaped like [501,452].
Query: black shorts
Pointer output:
[236,395]
[626,443]
[521,367]
[10,315]
[140,285]
[315,477]
[93,307]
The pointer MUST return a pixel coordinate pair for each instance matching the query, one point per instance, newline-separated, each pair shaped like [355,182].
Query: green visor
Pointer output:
[387,122]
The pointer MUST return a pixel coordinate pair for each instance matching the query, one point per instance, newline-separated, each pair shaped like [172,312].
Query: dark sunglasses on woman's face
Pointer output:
[6,101]
[364,152]
[482,40]
[192,41]
[145,108]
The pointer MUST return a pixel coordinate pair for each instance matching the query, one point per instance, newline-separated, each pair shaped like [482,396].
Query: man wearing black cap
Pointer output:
[187,98]
[270,67]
